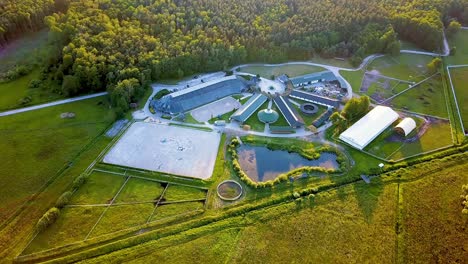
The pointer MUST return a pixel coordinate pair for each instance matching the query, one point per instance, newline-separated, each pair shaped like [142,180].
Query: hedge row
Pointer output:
[52,214]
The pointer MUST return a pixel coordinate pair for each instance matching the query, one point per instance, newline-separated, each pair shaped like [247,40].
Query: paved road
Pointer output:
[35,107]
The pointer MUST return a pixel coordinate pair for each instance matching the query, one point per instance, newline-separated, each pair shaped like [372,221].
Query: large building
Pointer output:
[369,127]
[313,78]
[198,95]
[246,110]
[288,111]
[313,98]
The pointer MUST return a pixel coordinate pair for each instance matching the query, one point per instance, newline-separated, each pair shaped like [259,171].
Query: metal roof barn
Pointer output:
[369,127]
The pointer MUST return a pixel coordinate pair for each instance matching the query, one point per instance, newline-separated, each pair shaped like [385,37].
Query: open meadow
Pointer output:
[39,144]
[460,85]
[292,70]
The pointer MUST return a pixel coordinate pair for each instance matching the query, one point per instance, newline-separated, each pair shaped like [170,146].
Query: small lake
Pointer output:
[262,164]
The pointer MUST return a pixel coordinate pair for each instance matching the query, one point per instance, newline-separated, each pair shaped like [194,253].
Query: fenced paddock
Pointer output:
[169,149]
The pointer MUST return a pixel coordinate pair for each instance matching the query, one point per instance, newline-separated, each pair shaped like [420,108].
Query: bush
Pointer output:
[35,83]
[161,94]
[63,200]
[79,181]
[48,219]
[25,101]
[296,195]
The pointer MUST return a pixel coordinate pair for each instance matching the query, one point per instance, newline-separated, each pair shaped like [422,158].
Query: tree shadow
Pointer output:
[367,196]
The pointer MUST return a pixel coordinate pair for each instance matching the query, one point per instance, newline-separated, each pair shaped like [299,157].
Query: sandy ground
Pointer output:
[169,149]
[211,110]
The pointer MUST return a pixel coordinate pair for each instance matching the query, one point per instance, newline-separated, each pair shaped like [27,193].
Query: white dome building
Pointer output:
[406,126]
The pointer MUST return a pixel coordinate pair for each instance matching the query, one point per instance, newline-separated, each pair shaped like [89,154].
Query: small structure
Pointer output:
[309,109]
[406,126]
[361,133]
[268,116]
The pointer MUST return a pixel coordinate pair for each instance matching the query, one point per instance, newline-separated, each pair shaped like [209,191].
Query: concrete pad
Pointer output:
[214,109]
[169,149]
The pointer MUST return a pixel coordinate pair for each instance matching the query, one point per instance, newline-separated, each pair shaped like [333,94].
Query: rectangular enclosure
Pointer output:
[169,149]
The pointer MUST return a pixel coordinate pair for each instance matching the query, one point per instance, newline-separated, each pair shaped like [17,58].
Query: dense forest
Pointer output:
[121,45]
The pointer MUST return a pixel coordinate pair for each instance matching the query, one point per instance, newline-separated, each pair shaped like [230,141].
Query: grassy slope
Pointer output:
[290,70]
[311,232]
[410,67]
[427,98]
[26,50]
[36,145]
[354,78]
[433,227]
[29,50]
[461,55]
[353,223]
[460,85]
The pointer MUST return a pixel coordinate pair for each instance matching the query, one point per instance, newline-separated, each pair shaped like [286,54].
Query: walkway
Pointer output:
[66,101]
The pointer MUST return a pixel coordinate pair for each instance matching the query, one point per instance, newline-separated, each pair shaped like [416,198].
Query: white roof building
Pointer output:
[406,126]
[369,127]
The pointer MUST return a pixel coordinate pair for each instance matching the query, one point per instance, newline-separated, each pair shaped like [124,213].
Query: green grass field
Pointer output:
[459,41]
[426,98]
[308,119]
[27,50]
[290,70]
[438,135]
[100,188]
[122,217]
[38,144]
[354,78]
[409,67]
[460,85]
[15,90]
[179,193]
[281,120]
[72,225]
[433,227]
[138,190]
[164,211]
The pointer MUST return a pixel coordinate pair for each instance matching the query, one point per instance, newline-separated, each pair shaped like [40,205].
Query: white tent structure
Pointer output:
[369,127]
[406,126]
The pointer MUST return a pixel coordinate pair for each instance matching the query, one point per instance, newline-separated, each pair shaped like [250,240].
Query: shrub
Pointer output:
[79,181]
[296,195]
[35,83]
[63,200]
[25,100]
[48,219]
[161,94]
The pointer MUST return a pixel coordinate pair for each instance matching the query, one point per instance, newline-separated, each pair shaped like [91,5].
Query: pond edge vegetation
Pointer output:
[310,153]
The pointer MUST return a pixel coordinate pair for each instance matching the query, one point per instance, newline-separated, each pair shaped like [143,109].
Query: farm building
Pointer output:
[285,107]
[313,78]
[198,95]
[406,126]
[313,98]
[246,110]
[361,133]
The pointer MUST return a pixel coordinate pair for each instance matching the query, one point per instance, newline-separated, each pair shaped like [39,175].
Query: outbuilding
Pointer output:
[406,126]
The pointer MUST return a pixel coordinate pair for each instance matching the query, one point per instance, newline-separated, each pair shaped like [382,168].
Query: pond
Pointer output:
[262,164]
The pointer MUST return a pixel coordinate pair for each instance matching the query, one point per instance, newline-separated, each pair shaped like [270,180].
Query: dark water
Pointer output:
[262,164]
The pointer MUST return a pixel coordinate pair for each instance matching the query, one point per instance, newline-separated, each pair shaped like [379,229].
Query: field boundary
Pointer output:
[455,95]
